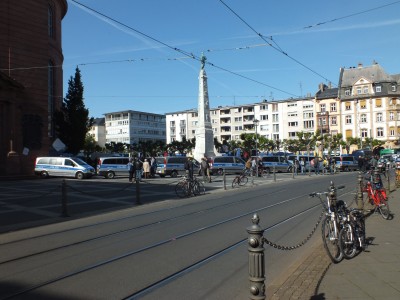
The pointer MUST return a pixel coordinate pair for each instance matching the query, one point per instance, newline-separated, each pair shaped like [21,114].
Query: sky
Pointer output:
[144,55]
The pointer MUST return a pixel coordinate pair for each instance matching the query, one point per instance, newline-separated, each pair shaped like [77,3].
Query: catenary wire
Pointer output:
[349,16]
[188,54]
[277,48]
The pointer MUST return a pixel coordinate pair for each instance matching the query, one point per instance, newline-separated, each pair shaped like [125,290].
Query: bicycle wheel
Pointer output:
[265,173]
[243,180]
[198,188]
[347,241]
[181,189]
[235,182]
[330,240]
[383,206]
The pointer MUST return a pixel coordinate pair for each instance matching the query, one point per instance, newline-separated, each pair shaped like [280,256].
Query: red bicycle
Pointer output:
[377,193]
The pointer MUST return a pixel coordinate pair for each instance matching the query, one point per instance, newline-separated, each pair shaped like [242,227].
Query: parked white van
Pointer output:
[63,167]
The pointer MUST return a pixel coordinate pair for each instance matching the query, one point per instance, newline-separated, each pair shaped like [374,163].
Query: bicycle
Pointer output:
[352,236]
[332,223]
[240,180]
[262,172]
[377,193]
[187,187]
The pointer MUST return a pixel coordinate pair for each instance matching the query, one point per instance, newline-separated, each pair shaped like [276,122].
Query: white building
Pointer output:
[131,127]
[278,120]
[98,131]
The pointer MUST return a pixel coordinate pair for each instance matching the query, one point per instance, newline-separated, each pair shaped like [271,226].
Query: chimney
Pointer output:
[360,65]
[321,87]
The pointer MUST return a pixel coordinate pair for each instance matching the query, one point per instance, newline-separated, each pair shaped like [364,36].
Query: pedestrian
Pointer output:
[253,166]
[205,169]
[146,168]
[373,162]
[325,165]
[316,165]
[361,163]
[132,169]
[248,166]
[302,165]
[138,168]
[153,167]
[296,166]
[189,167]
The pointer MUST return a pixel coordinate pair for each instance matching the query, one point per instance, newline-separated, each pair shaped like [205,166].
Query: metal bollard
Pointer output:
[274,173]
[360,200]
[224,179]
[388,179]
[138,192]
[256,260]
[64,206]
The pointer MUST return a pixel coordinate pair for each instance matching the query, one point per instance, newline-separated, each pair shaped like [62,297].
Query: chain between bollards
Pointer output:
[64,206]
[256,260]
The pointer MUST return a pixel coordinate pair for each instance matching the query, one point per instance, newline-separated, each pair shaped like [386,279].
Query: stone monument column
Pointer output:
[204,133]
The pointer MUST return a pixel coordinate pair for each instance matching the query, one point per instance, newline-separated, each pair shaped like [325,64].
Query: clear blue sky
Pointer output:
[133,65]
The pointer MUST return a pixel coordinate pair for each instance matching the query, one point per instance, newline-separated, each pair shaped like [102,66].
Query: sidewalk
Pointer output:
[373,274]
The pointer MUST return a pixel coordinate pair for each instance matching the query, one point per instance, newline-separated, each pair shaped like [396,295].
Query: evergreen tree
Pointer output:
[72,121]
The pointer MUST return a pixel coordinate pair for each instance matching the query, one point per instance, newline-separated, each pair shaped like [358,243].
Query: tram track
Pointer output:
[117,232]
[177,273]
[86,266]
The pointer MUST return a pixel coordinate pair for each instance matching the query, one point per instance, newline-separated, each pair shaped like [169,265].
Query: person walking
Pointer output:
[189,167]
[132,169]
[146,168]
[316,165]
[138,168]
[205,169]
[302,165]
[296,166]
[153,167]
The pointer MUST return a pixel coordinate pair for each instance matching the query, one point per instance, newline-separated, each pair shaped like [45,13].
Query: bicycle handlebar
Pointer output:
[313,194]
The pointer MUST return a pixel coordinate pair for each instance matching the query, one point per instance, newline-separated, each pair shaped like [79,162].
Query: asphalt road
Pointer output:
[169,248]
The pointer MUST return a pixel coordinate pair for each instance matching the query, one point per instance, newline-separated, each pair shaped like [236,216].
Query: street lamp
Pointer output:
[256,122]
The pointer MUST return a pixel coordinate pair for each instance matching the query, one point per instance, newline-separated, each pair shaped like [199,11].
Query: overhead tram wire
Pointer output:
[190,55]
[351,15]
[277,48]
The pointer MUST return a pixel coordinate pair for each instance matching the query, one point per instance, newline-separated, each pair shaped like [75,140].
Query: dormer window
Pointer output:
[393,88]
[378,89]
[347,92]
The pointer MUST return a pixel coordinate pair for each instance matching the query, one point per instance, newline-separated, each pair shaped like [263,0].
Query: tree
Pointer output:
[72,120]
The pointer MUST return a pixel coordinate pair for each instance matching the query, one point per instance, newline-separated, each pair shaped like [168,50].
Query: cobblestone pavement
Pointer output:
[372,274]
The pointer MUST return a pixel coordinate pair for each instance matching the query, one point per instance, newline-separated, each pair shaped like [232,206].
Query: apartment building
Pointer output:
[366,104]
[131,127]
[328,113]
[370,105]
[277,120]
[98,131]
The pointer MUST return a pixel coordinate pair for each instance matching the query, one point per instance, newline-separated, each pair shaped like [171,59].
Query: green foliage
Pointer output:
[72,120]
[183,146]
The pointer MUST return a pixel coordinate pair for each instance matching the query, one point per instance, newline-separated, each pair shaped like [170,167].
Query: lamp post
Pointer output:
[256,122]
